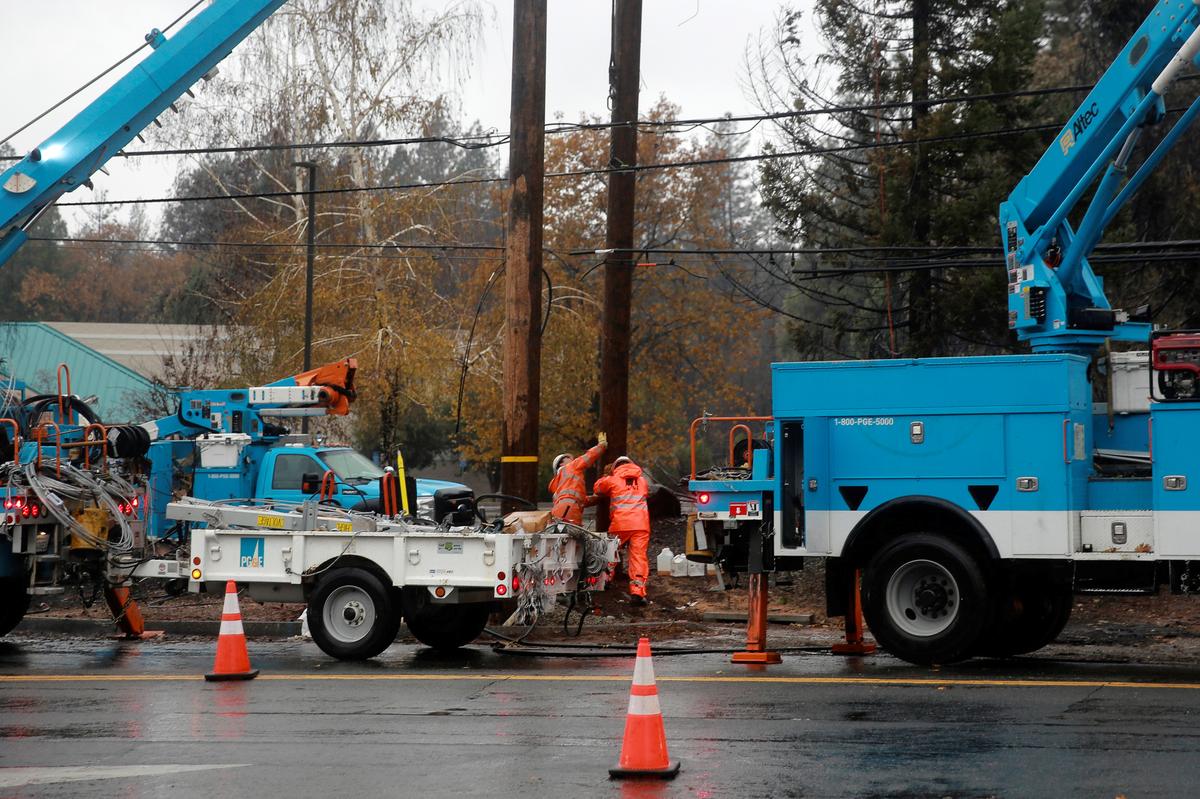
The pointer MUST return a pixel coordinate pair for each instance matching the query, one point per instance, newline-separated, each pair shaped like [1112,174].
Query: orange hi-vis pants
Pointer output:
[638,542]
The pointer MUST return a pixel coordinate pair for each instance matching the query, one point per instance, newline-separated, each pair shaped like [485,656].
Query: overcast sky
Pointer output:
[692,52]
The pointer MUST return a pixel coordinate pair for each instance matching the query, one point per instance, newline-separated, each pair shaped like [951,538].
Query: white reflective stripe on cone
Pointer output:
[644,705]
[643,671]
[231,603]
[232,627]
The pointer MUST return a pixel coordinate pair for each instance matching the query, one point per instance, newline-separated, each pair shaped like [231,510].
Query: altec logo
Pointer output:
[1081,124]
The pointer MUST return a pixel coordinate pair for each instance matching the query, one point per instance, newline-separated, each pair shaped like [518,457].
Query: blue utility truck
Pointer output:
[973,496]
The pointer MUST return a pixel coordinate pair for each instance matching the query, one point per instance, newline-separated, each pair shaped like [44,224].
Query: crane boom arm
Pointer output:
[1056,301]
[69,157]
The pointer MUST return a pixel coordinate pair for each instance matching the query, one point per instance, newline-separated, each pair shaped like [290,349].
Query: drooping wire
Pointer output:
[84,87]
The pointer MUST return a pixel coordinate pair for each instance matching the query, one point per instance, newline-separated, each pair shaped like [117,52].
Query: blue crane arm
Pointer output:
[68,158]
[1055,300]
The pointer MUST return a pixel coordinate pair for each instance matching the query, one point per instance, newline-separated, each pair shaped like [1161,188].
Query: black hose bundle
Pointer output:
[127,441]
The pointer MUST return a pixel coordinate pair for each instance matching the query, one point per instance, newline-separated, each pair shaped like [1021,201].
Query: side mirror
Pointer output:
[310,483]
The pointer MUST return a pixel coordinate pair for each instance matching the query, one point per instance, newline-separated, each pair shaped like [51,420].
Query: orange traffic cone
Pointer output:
[233,661]
[644,750]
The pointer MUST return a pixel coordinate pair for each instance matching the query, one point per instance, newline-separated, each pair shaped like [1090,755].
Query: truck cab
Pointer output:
[356,478]
[236,466]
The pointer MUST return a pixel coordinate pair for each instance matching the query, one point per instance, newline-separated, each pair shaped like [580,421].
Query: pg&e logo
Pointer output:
[253,553]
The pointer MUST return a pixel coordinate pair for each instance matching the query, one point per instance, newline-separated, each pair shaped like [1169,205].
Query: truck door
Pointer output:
[286,473]
[791,481]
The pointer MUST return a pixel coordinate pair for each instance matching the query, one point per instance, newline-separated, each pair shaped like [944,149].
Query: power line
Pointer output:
[995,133]
[1186,256]
[947,249]
[274,244]
[496,139]
[75,93]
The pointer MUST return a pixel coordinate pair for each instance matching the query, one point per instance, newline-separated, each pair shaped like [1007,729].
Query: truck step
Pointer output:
[47,558]
[46,590]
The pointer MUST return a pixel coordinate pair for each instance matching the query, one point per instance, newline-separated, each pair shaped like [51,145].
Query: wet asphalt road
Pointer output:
[414,724]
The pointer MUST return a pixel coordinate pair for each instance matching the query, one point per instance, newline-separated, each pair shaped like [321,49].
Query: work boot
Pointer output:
[638,601]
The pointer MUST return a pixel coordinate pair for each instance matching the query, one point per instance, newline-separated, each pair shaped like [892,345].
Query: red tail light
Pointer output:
[501,590]
[703,498]
[516,583]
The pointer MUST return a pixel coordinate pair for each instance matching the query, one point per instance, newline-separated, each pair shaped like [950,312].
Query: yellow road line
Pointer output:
[615,678]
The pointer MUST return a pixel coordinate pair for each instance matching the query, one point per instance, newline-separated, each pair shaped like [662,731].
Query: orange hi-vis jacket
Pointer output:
[570,493]
[626,489]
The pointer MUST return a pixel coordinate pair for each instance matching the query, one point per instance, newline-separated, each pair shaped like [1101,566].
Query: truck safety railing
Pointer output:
[742,425]
[39,435]
[62,406]
[87,440]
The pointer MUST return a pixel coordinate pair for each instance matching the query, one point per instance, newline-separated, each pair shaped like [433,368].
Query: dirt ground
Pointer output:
[1160,628]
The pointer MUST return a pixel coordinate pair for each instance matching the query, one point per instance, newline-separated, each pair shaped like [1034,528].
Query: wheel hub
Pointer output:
[931,598]
[354,613]
[349,614]
[922,598]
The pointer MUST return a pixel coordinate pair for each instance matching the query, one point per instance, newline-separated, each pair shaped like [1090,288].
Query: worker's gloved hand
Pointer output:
[602,439]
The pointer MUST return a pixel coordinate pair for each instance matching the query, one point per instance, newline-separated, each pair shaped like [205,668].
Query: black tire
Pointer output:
[352,615]
[925,599]
[1028,618]
[14,601]
[443,627]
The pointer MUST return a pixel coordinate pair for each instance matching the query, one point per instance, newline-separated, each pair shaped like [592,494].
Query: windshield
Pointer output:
[351,466]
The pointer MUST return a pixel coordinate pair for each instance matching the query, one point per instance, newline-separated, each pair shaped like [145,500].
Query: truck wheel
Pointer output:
[445,627]
[351,614]
[1030,617]
[925,599]
[14,601]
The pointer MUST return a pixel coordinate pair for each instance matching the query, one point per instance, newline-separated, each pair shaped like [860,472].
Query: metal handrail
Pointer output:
[40,437]
[749,446]
[87,450]
[62,367]
[702,419]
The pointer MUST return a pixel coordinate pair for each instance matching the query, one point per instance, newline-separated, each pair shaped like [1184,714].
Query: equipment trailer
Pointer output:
[361,573]
[975,495]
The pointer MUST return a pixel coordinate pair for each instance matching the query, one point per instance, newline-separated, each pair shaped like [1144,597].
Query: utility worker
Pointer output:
[570,493]
[629,519]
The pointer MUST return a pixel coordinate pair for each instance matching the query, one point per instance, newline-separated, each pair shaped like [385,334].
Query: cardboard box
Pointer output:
[527,521]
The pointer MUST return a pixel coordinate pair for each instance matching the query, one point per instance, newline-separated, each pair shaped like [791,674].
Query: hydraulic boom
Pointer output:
[1055,301]
[69,157]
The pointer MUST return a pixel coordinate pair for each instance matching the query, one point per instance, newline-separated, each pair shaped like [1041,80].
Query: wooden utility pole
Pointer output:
[623,76]
[523,256]
[310,257]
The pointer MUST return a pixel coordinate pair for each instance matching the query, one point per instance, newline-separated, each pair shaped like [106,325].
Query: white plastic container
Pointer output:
[663,561]
[679,566]
[221,450]
[1130,381]
[695,569]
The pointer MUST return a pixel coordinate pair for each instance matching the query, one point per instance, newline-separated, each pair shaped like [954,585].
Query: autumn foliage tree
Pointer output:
[697,345]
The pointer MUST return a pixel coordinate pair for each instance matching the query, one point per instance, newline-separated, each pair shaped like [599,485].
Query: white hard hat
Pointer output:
[622,459]
[559,461]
